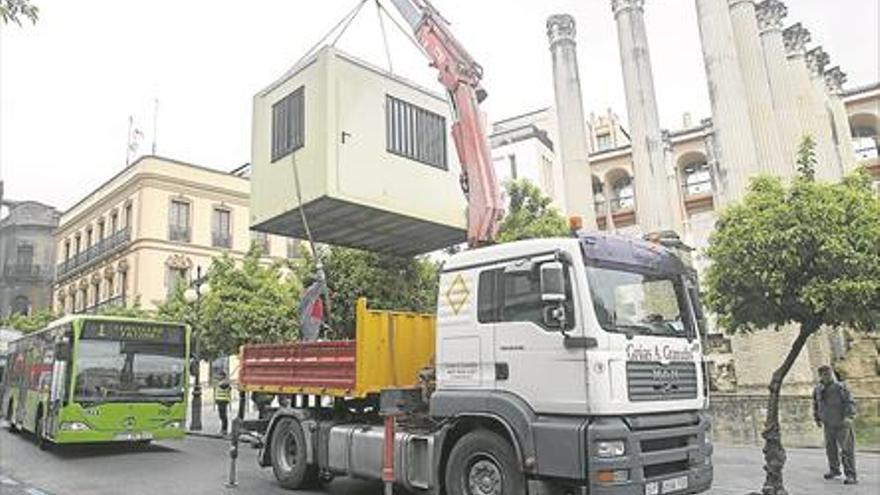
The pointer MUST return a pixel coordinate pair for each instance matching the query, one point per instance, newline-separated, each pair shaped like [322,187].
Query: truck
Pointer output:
[553,366]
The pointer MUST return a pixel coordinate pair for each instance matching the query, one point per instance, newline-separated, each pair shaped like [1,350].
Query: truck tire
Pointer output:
[288,448]
[483,463]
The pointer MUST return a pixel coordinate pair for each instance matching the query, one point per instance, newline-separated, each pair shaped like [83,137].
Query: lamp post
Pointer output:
[198,288]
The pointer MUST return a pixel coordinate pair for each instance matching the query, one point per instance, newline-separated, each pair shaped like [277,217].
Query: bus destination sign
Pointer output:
[132,332]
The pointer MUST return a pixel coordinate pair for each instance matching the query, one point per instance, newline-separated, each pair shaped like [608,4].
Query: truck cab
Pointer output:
[588,351]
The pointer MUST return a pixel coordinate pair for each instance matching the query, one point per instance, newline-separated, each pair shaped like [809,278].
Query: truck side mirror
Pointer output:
[553,282]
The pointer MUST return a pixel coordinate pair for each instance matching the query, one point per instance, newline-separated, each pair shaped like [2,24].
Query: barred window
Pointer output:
[415,133]
[288,124]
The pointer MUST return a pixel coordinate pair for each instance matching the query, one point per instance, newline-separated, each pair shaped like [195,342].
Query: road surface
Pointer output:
[197,466]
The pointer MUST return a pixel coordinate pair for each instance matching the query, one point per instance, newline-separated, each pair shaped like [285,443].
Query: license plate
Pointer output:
[674,484]
[133,436]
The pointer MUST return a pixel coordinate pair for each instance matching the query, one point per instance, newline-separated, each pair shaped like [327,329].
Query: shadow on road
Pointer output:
[90,450]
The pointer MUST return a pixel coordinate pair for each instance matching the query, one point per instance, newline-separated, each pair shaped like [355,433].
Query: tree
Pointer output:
[389,282]
[530,214]
[806,158]
[248,302]
[807,254]
[15,10]
[37,320]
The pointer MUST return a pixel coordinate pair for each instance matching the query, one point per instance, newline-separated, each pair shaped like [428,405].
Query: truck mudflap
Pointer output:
[663,454]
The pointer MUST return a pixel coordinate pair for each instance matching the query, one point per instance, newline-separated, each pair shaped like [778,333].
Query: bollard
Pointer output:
[232,482]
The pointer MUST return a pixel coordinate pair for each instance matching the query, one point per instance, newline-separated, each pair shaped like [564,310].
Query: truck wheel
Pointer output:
[289,456]
[483,463]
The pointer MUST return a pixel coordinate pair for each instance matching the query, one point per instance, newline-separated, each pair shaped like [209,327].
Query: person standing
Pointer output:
[834,410]
[222,396]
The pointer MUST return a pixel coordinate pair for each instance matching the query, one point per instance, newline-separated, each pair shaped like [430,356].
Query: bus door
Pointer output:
[58,387]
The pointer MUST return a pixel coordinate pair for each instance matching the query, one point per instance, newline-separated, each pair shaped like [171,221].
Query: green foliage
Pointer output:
[15,10]
[530,214]
[248,302]
[806,254]
[806,158]
[37,320]
[388,282]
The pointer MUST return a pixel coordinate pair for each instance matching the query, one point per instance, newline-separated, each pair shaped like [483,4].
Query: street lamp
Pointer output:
[198,288]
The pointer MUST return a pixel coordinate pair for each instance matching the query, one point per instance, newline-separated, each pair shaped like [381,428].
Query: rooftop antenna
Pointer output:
[155,119]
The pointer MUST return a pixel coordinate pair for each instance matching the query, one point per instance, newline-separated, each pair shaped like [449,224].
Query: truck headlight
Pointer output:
[610,448]
[74,426]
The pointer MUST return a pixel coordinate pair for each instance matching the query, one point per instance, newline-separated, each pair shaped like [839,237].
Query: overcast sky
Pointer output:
[69,84]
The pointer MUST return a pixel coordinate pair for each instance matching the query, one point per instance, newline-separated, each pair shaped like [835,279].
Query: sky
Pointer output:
[69,84]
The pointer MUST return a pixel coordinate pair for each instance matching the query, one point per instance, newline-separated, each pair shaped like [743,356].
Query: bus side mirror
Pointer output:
[62,351]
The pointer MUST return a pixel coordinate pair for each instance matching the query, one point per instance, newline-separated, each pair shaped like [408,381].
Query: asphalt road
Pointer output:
[197,466]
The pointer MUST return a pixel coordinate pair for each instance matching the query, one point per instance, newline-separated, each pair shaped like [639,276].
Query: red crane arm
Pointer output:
[460,75]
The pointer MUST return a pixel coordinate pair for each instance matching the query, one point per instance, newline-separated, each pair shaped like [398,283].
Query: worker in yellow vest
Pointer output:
[222,396]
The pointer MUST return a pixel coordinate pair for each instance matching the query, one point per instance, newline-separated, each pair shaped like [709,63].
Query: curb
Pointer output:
[199,434]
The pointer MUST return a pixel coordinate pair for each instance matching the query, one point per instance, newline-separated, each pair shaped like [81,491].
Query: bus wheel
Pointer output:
[288,448]
[483,463]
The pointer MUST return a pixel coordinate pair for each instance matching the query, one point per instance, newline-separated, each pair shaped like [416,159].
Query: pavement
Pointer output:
[199,466]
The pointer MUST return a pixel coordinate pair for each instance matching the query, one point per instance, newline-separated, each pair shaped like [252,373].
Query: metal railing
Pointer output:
[23,271]
[117,301]
[179,233]
[221,240]
[94,253]
[622,203]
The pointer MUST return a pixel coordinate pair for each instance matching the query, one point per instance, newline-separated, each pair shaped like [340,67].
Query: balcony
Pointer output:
[221,240]
[179,233]
[24,272]
[94,254]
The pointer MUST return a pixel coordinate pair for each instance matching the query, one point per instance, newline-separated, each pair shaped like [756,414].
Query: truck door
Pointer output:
[531,359]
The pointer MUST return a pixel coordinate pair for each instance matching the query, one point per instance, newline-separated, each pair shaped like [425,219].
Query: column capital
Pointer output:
[835,78]
[734,3]
[817,60]
[619,6]
[560,28]
[796,38]
[770,15]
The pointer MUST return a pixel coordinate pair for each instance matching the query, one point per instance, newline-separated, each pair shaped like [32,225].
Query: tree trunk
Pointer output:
[774,453]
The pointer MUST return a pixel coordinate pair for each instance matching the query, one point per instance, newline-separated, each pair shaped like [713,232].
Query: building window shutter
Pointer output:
[288,124]
[415,133]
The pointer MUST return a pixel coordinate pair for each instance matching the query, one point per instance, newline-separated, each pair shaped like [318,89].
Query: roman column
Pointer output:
[796,38]
[835,79]
[572,132]
[652,191]
[733,135]
[750,54]
[829,166]
[770,14]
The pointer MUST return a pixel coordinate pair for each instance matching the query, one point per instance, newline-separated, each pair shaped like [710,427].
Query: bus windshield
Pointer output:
[126,362]
[640,304]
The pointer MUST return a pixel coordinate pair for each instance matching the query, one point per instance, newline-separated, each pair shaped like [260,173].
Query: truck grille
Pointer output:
[652,381]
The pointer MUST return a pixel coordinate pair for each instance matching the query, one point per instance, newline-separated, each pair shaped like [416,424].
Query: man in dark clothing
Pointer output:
[222,396]
[834,409]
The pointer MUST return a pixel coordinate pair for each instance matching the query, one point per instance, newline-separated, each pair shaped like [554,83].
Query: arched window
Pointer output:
[696,178]
[622,193]
[21,305]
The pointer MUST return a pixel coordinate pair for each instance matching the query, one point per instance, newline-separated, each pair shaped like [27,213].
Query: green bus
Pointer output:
[89,378]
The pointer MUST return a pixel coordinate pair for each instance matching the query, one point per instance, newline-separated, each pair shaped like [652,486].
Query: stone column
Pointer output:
[652,191]
[770,14]
[756,80]
[829,166]
[835,79]
[572,132]
[733,136]
[796,38]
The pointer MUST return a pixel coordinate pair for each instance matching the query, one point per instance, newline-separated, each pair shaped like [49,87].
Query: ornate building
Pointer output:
[27,256]
[768,89]
[149,228]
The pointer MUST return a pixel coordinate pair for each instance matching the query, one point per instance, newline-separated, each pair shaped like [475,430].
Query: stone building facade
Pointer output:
[27,256]
[768,89]
[149,228]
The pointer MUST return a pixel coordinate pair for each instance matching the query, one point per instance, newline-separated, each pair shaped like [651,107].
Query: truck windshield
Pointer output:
[129,369]
[640,304]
